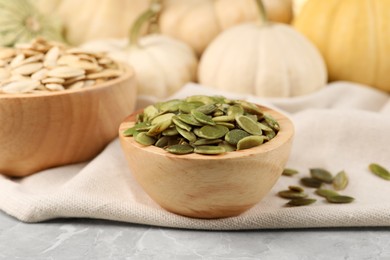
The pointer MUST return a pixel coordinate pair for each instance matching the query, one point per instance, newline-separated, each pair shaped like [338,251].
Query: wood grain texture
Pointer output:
[209,186]
[39,131]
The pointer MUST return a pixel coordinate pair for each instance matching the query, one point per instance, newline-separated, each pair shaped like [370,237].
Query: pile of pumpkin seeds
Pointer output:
[206,125]
[318,178]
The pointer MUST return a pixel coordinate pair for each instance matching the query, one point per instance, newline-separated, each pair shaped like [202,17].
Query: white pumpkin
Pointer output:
[162,64]
[269,60]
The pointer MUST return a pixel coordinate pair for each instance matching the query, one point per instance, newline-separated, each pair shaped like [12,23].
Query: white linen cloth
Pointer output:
[344,126]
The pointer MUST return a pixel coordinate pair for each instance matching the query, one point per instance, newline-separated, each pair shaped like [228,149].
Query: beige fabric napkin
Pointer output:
[342,127]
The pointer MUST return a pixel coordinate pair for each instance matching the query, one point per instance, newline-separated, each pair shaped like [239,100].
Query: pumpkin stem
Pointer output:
[152,12]
[263,12]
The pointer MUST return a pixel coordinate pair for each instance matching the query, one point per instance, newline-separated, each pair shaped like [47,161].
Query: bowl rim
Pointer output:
[128,73]
[285,134]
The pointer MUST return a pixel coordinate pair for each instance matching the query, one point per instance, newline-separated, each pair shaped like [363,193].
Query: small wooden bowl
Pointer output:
[39,131]
[204,186]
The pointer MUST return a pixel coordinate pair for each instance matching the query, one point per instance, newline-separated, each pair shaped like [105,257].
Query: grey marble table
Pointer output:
[98,239]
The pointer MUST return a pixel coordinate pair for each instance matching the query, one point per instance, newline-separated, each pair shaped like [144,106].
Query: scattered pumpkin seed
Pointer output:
[326,193]
[300,202]
[296,188]
[180,149]
[289,194]
[340,181]
[379,171]
[321,174]
[339,199]
[311,182]
[289,172]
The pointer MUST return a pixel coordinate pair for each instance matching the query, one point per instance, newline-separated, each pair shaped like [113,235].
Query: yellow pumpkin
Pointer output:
[90,19]
[268,60]
[198,22]
[162,64]
[353,36]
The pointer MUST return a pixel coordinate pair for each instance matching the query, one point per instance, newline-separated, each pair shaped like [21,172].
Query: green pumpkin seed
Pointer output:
[339,199]
[265,128]
[235,110]
[130,131]
[162,118]
[159,127]
[311,182]
[150,112]
[162,141]
[248,125]
[340,181]
[171,105]
[249,107]
[289,194]
[249,142]
[170,132]
[207,141]
[189,119]
[228,125]
[235,135]
[190,136]
[207,109]
[321,174]
[181,124]
[144,139]
[212,132]
[200,98]
[208,149]
[186,107]
[379,171]
[270,135]
[296,188]
[300,202]
[289,172]
[223,119]
[326,193]
[218,113]
[272,122]
[180,149]
[202,118]
[228,147]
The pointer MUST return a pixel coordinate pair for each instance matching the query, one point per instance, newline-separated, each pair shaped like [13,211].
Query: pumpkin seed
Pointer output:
[248,125]
[22,86]
[296,188]
[223,118]
[207,141]
[170,106]
[28,69]
[321,174]
[158,128]
[189,119]
[340,181]
[326,193]
[300,202]
[186,107]
[228,125]
[208,149]
[289,172]
[228,147]
[212,131]
[162,118]
[311,182]
[202,118]
[339,199]
[53,86]
[289,194]
[181,124]
[65,72]
[170,132]
[162,142]
[150,112]
[186,134]
[235,135]
[207,109]
[249,107]
[200,98]
[379,171]
[271,122]
[249,142]
[144,139]
[180,149]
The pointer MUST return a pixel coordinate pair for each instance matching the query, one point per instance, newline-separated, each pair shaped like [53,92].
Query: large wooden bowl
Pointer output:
[39,131]
[204,186]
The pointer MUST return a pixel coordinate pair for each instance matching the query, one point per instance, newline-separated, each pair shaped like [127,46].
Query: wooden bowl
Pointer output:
[39,131]
[204,186]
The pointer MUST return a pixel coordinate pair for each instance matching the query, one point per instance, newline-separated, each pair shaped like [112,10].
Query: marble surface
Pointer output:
[99,239]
